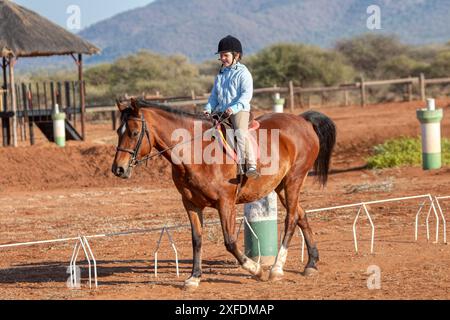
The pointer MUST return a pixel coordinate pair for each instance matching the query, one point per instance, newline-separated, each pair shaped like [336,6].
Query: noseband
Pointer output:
[134,153]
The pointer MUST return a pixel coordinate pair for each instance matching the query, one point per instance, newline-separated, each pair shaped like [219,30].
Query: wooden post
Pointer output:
[74,104]
[114,119]
[363,92]
[22,118]
[67,96]
[82,96]
[52,94]
[19,108]
[405,92]
[5,85]
[25,116]
[5,121]
[291,96]
[346,103]
[38,99]
[12,62]
[422,86]
[410,91]
[38,95]
[59,96]
[45,96]
[29,110]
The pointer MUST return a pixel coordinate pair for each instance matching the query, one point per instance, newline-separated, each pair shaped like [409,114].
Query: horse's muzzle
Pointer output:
[121,172]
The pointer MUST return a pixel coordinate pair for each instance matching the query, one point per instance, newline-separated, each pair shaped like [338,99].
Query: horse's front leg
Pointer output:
[196,219]
[227,214]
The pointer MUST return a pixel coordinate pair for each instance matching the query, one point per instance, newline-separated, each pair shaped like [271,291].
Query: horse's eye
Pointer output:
[135,134]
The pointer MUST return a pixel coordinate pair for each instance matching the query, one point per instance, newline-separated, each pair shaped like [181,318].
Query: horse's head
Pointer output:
[135,141]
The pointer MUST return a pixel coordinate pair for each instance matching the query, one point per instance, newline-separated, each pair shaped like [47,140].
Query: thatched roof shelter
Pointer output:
[24,33]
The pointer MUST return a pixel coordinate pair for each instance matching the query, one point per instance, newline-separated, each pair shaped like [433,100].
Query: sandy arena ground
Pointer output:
[48,193]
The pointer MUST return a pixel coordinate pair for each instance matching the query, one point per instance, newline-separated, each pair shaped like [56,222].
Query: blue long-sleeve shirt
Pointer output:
[233,88]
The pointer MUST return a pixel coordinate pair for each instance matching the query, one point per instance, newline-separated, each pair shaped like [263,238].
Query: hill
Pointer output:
[193,27]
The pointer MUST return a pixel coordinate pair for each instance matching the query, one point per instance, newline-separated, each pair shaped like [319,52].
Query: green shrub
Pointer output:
[404,151]
[303,64]
[367,52]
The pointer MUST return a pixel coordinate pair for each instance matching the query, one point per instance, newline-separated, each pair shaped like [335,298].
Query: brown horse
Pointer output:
[304,142]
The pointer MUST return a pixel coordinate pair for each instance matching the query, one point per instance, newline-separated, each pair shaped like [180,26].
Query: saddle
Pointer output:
[221,126]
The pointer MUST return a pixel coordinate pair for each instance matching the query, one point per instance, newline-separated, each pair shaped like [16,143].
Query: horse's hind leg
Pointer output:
[313,253]
[196,219]
[227,214]
[292,190]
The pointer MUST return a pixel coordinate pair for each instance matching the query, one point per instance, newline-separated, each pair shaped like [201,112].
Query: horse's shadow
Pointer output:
[58,272]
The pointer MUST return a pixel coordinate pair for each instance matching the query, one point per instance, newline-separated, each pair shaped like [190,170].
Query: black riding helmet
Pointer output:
[229,44]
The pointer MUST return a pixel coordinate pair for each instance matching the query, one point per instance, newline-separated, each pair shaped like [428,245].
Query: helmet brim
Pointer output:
[218,52]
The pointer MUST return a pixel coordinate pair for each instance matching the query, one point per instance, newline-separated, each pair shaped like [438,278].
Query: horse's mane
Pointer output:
[142,103]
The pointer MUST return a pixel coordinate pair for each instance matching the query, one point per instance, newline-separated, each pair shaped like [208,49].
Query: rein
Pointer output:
[218,118]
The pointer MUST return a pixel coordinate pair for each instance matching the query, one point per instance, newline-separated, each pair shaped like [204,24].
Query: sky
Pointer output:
[90,11]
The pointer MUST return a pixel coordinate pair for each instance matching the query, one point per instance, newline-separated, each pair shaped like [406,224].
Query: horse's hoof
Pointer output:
[276,274]
[310,272]
[259,272]
[254,268]
[191,284]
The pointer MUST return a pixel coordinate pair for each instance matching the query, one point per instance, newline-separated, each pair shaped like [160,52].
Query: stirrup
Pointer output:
[252,173]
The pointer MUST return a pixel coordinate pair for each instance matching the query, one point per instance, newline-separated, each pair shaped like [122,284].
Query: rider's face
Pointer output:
[226,58]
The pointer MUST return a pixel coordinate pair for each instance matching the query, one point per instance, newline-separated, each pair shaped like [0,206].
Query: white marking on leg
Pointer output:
[192,282]
[250,266]
[281,259]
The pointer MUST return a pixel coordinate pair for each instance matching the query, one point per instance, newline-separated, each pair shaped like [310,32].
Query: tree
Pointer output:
[304,65]
[440,67]
[368,52]
[401,66]
[147,72]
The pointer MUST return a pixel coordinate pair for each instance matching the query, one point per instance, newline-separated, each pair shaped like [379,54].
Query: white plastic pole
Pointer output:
[436,216]
[354,229]
[417,221]
[303,243]
[444,223]
[88,260]
[93,260]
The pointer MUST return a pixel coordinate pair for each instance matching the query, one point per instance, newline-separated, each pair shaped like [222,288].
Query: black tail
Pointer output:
[326,131]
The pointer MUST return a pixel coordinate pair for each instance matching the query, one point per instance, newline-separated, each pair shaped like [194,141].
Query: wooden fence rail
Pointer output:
[361,86]
[31,99]
[290,91]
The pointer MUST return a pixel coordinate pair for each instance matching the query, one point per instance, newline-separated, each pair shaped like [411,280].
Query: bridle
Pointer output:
[134,161]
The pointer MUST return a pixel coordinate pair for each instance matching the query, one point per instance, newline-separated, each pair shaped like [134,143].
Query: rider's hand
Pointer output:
[229,111]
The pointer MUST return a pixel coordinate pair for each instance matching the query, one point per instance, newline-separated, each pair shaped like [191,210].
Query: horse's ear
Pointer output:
[121,105]
[134,104]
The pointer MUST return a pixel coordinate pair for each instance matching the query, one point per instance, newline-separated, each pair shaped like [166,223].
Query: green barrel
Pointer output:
[262,218]
[59,127]
[430,120]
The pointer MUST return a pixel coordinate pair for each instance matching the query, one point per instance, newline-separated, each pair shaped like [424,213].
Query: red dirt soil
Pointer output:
[48,192]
